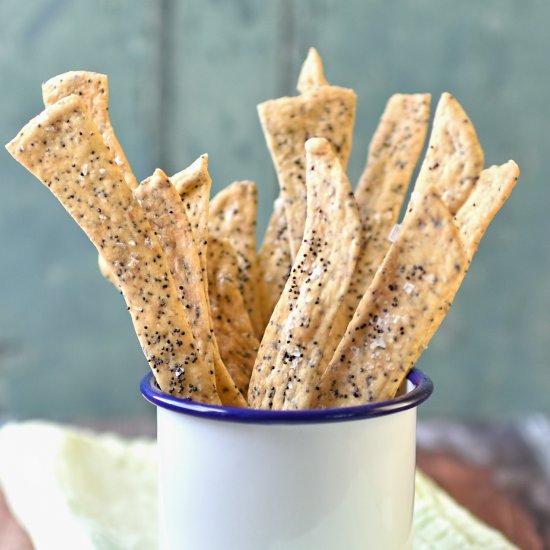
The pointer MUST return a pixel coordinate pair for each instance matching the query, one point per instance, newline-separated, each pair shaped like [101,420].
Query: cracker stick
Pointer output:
[312,74]
[454,158]
[165,211]
[288,122]
[393,154]
[274,261]
[93,89]
[193,184]
[400,312]
[63,148]
[233,217]
[232,327]
[287,366]
[493,188]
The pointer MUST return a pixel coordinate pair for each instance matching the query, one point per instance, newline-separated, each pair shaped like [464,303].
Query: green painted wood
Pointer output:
[221,61]
[67,347]
[185,78]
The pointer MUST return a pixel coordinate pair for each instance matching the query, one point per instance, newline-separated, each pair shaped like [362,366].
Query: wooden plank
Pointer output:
[222,62]
[57,307]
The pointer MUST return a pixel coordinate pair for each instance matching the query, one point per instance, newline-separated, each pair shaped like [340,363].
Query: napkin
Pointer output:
[71,488]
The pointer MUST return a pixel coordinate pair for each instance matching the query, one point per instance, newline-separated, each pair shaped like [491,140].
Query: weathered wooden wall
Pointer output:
[185,77]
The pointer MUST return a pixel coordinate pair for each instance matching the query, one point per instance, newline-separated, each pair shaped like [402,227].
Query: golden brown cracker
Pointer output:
[193,184]
[274,261]
[64,149]
[288,122]
[166,214]
[233,217]
[312,74]
[400,312]
[93,89]
[454,158]
[493,188]
[232,327]
[393,153]
[287,366]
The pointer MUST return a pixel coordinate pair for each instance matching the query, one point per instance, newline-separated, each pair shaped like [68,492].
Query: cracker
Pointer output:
[454,158]
[312,74]
[288,122]
[193,184]
[274,261]
[233,217]
[287,366]
[93,89]
[393,154]
[165,211]
[493,188]
[64,149]
[400,312]
[232,327]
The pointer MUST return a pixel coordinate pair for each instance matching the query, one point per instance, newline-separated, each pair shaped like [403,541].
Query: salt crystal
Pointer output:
[85,169]
[133,261]
[132,243]
[394,233]
[148,242]
[378,343]
[179,371]
[102,217]
[118,160]
[102,171]
[49,128]
[408,287]
[279,203]
[316,273]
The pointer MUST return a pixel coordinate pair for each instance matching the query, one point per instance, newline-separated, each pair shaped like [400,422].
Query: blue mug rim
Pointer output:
[423,388]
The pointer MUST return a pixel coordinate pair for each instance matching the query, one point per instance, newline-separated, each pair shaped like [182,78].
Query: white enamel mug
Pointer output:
[247,479]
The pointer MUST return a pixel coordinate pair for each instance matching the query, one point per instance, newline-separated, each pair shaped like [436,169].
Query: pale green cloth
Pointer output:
[71,488]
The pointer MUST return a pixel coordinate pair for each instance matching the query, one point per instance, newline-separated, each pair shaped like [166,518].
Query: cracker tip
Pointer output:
[317,145]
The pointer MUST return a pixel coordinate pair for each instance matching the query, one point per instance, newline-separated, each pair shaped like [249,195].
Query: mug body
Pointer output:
[318,479]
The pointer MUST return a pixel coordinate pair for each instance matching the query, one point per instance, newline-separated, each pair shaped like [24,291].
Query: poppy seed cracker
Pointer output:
[401,310]
[393,154]
[93,89]
[64,149]
[233,217]
[288,122]
[493,188]
[274,261]
[291,351]
[454,158]
[165,211]
[234,333]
